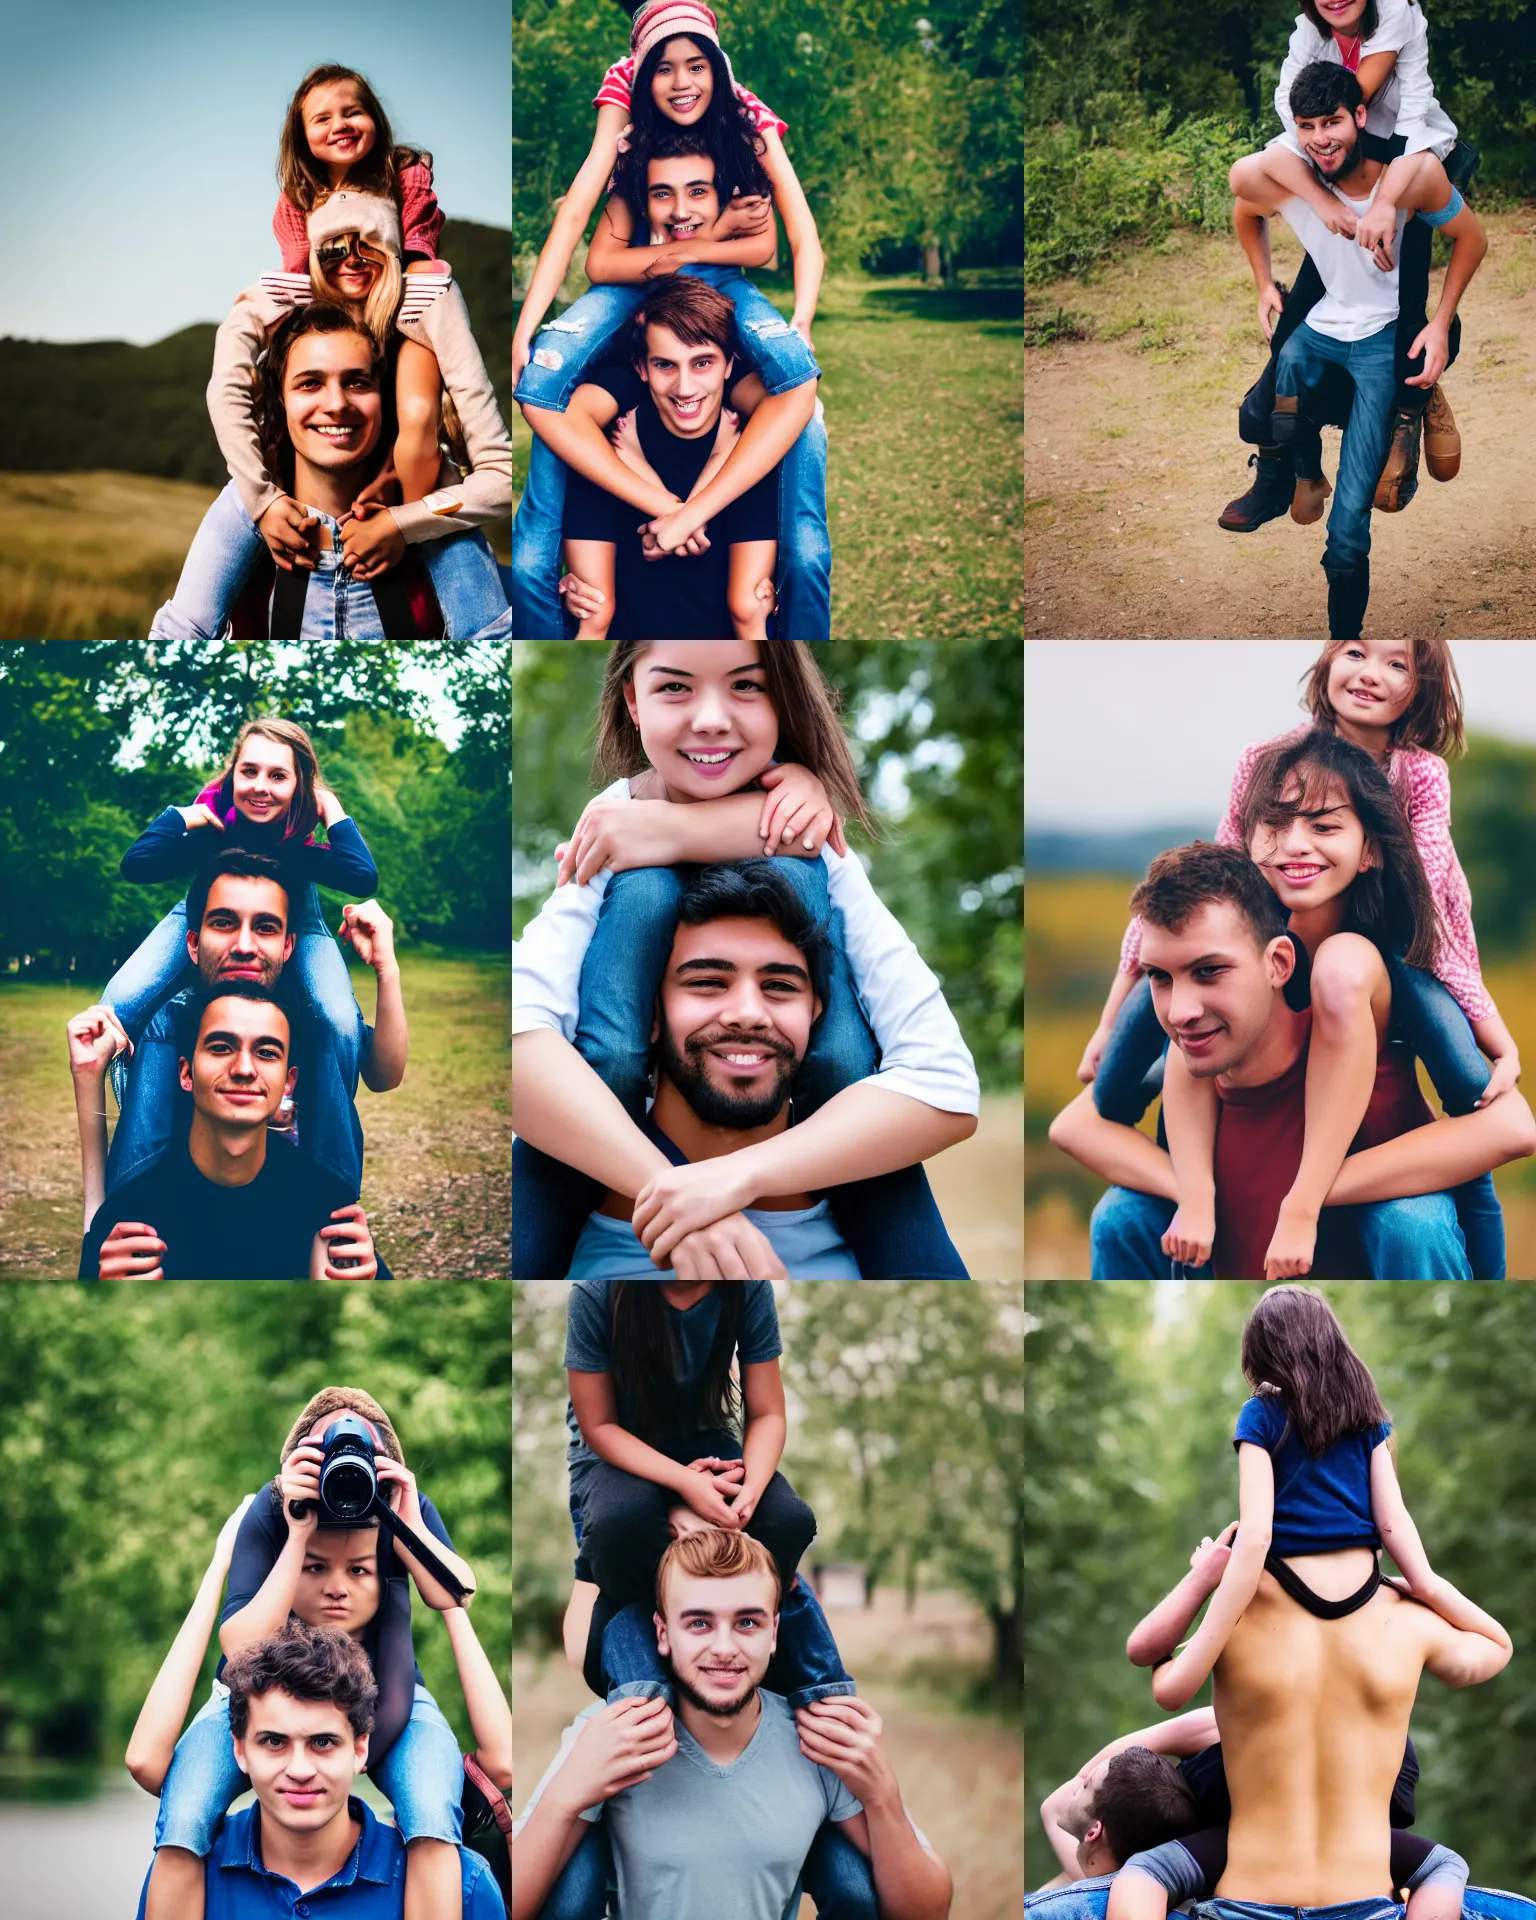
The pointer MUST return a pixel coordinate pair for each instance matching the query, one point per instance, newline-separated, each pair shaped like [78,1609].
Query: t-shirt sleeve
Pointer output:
[614,92]
[586,1328]
[259,1541]
[1172,1866]
[1379,1433]
[759,1337]
[482,1896]
[568,1740]
[1256,1423]
[623,383]
[841,1804]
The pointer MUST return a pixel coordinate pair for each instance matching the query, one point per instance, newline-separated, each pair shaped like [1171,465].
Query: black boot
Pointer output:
[1349,588]
[1274,483]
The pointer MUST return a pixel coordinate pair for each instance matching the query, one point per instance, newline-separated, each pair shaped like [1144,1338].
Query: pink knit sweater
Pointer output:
[1422,784]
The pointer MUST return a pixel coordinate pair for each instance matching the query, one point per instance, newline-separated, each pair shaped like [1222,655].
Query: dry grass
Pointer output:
[979,1186]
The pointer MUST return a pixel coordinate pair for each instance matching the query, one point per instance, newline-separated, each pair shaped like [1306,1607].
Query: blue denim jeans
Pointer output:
[1415,1239]
[227,546]
[891,1224]
[422,1775]
[1370,364]
[329,1050]
[1378,1909]
[1089,1900]
[578,339]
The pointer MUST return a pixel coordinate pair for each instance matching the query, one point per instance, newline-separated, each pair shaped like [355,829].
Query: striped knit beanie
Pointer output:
[663,19]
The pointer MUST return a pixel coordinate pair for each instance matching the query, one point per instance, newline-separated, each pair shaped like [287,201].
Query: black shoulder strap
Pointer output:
[286,621]
[394,605]
[1314,1603]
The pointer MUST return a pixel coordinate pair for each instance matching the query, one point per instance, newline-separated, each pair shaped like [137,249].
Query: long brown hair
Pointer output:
[1389,902]
[1294,1348]
[300,176]
[646,1361]
[1370,20]
[1433,717]
[810,732]
[303,810]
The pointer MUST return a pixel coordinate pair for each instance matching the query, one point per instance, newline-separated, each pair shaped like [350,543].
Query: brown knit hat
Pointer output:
[368,215]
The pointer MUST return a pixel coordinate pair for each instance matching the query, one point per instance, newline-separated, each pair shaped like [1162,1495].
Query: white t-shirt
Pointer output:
[1361,297]
[921,1051]
[1405,105]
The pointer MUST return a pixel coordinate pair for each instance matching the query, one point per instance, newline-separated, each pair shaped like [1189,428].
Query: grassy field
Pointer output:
[1073,925]
[436,1176]
[924,486]
[961,1773]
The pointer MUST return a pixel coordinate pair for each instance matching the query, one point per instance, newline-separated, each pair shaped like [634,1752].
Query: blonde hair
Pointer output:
[382,304]
[715,1554]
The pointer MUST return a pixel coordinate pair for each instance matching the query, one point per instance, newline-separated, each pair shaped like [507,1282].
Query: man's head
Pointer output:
[717,1616]
[1329,111]
[320,408]
[740,993]
[300,1710]
[682,344]
[237,919]
[1215,949]
[235,1044]
[1134,1801]
[682,195]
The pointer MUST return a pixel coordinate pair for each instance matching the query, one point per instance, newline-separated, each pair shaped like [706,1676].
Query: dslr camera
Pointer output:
[349,1483]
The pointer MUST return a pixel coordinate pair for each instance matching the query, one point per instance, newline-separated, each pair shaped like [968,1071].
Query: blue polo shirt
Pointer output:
[371,1886]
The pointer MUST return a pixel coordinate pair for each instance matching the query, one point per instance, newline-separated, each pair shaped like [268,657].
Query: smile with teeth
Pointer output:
[1299,875]
[687,408]
[744,1059]
[716,757]
[684,102]
[334,432]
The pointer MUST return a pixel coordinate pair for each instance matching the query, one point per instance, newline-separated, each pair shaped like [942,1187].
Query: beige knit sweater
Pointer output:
[434,315]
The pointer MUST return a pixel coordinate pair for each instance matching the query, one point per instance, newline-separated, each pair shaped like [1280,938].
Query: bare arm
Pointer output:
[1496,1040]
[1180,1678]
[612,259]
[1122,1155]
[1394,1523]
[799,229]
[1467,1656]
[580,438]
[774,428]
[1250,222]
[561,1106]
[597,1414]
[570,223]
[490,1717]
[860,1132]
[1189,1116]
[370,932]
[268,1609]
[763,1442]
[94,1038]
[1439,1155]
[911,1883]
[1119,993]
[1155,1636]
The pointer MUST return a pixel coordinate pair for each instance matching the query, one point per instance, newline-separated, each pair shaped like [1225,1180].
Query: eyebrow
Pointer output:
[1205,960]
[265,1040]
[736,1613]
[730,966]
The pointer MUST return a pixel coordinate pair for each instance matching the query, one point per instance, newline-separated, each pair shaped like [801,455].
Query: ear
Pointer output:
[662,1645]
[1370,855]
[631,704]
[184,1070]
[291,1082]
[287,948]
[192,945]
[773,1636]
[240,1754]
[1360,114]
[360,1752]
[816,1008]
[656,1022]
[1280,959]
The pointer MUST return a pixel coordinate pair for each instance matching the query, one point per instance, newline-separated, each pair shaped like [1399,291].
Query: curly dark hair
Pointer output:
[725,133]
[307,1663]
[272,368]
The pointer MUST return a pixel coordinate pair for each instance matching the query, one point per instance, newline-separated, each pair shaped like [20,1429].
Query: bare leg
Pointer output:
[578,1618]
[176,1889]
[418,405]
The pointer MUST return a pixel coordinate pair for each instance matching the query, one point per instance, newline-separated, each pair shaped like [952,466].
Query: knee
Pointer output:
[1122,1234]
[1345,973]
[1417,1238]
[788,1526]
[646,891]
[745,609]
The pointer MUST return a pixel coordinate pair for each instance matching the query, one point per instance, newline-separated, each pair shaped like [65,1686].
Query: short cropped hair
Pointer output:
[716,1554]
[189,1016]
[236,860]
[1323,88]
[757,890]
[697,313]
[307,1663]
[1184,879]
[1142,1801]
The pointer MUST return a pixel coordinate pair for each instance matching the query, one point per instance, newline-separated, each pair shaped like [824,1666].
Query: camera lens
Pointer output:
[346,1487]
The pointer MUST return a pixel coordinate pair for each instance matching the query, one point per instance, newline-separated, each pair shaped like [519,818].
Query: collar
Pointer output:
[670,1147]
[375,1858]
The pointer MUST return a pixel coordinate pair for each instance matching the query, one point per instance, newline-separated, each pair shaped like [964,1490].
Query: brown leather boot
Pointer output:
[1399,480]
[1442,440]
[1308,501]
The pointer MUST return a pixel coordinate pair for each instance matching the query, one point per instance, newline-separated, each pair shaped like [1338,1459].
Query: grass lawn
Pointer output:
[1073,924]
[923,395]
[436,1174]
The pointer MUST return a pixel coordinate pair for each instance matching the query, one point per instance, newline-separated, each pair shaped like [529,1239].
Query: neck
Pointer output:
[229,1156]
[1313,925]
[704,429]
[1376,741]
[1277,1051]
[699,1141]
[1358,178]
[309,1859]
[332,490]
[721,1736]
[338,174]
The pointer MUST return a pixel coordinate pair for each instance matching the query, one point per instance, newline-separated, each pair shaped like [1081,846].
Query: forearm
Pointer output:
[560,1106]
[539,1852]
[1438,1156]
[431,1589]
[1493,1036]
[761,1449]
[723,829]
[910,1884]
[861,1132]
[1184,1734]
[384,1067]
[809,265]
[1155,1636]
[584,448]
[91,1118]
[1252,230]
[267,1611]
[1276,173]
[1453,1605]
[554,263]
[1121,1155]
[621,1449]
[1189,1116]
[490,1718]
[1466,257]
[633,266]
[158,1727]
[1179,1679]
[774,428]
[1401,1539]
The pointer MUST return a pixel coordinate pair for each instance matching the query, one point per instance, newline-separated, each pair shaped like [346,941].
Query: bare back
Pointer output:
[1313,1716]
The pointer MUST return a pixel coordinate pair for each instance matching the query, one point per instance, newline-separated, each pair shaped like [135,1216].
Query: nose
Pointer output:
[244,946]
[1185,1006]
[1293,838]
[709,716]
[243,1066]
[745,1006]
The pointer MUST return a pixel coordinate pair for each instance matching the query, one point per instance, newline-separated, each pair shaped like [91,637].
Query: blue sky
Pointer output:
[142,142]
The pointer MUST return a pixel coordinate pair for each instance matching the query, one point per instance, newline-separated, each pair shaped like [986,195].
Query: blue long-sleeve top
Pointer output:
[168,850]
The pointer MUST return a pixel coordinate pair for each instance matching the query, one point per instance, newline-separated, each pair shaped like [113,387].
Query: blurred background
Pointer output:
[905,1411]
[97,737]
[1133,1392]
[905,119]
[133,1421]
[935,734]
[152,134]
[1131,747]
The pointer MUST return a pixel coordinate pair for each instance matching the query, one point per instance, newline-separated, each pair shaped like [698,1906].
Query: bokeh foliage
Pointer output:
[133,1421]
[1131,1395]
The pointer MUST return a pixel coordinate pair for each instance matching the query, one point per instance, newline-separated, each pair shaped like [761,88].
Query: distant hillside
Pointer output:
[1051,851]
[103,403]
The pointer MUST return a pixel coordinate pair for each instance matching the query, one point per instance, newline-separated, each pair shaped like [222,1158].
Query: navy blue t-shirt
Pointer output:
[1321,1505]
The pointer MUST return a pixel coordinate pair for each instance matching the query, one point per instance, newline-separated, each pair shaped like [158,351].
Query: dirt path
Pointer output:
[1131,452]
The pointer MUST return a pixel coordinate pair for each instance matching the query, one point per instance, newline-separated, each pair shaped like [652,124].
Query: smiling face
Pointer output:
[681,197]
[684,82]
[1331,141]
[1371,684]
[1342,16]
[734,1020]
[302,1758]
[702,711]
[338,126]
[339,1583]
[719,1635]
[1215,990]
[239,1068]
[1317,854]
[354,275]
[687,382]
[263,779]
[332,401]
[244,933]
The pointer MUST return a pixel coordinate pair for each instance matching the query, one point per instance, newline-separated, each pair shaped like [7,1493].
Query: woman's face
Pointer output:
[705,719]
[331,397]
[1316,855]
[353,278]
[1341,16]
[264,780]
[338,127]
[684,82]
[339,1582]
[1371,682]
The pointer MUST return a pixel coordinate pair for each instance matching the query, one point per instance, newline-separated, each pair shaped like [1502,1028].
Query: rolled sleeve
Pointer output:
[546,962]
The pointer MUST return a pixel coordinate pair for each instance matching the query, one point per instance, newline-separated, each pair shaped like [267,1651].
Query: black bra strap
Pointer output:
[1314,1603]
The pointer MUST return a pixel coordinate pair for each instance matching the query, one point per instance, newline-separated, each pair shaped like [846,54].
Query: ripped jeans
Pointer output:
[563,350]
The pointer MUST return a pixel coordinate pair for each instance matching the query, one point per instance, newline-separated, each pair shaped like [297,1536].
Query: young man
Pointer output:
[234,1203]
[1341,362]
[621,524]
[713,1811]
[1217,952]
[301,1708]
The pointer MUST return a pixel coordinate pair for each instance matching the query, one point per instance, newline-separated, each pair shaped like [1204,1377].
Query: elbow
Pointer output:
[1521,1124]
[1140,1650]
[498,1768]
[146,1770]
[1167,1689]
